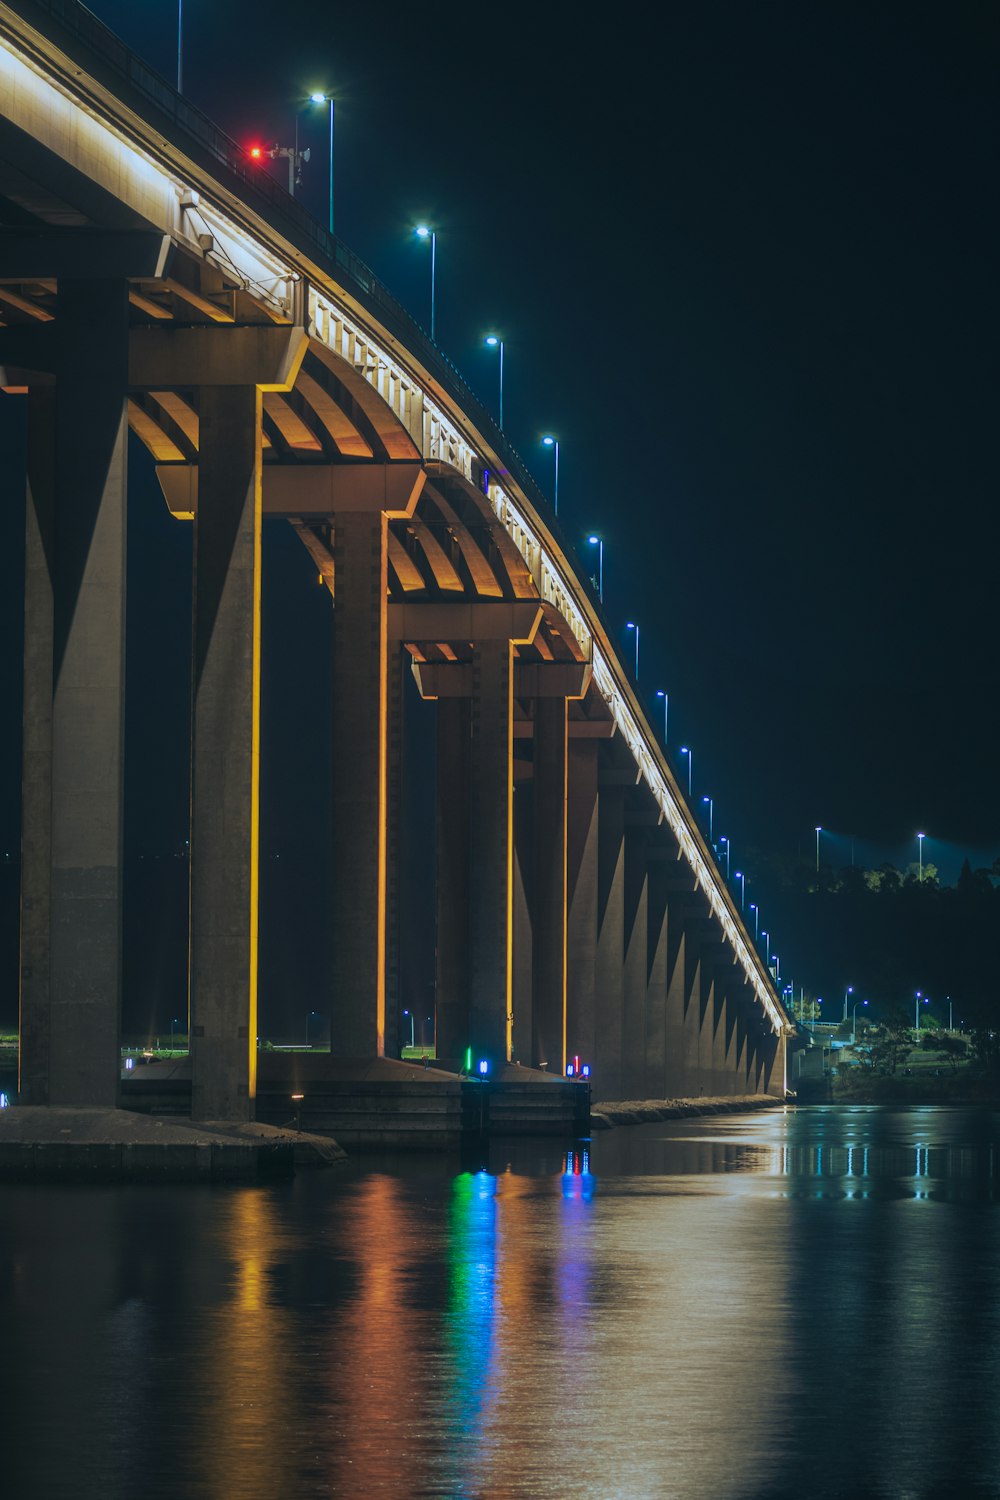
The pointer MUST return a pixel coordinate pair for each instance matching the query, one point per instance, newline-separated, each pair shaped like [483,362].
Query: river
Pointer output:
[792,1303]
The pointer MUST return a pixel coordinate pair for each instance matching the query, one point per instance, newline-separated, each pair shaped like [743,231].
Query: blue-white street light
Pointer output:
[494,341]
[711,814]
[666,709]
[631,625]
[724,840]
[598,542]
[424,232]
[818,832]
[690,756]
[743,887]
[756,919]
[553,442]
[848,991]
[327,99]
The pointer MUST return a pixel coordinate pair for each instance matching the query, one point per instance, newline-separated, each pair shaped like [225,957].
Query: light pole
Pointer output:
[724,840]
[854,1020]
[767,945]
[756,919]
[424,232]
[327,99]
[920,855]
[494,341]
[711,814]
[175,1021]
[666,708]
[690,756]
[777,968]
[598,542]
[916,1008]
[818,832]
[743,887]
[631,625]
[950,1015]
[848,991]
[553,442]
[412,1032]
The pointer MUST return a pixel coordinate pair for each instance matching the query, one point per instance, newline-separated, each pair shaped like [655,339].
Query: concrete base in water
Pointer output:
[102,1145]
[377,1102]
[646,1111]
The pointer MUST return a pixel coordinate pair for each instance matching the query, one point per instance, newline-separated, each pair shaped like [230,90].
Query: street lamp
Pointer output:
[854,1020]
[777,968]
[308,1019]
[848,991]
[724,840]
[553,442]
[950,1014]
[767,944]
[756,918]
[920,854]
[631,625]
[494,341]
[598,542]
[666,707]
[818,832]
[424,232]
[327,99]
[412,1033]
[743,887]
[690,756]
[916,1008]
[175,1021]
[711,813]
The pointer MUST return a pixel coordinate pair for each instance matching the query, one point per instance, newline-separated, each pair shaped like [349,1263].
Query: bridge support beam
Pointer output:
[74,707]
[635,976]
[490,869]
[225,736]
[582,895]
[549,926]
[610,955]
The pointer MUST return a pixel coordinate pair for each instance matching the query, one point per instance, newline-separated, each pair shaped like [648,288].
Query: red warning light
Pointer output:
[256,153]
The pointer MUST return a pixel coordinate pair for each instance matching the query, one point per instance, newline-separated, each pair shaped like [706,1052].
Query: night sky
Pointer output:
[744,262]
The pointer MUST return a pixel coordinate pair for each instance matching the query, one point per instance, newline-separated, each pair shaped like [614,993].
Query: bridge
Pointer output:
[153,280]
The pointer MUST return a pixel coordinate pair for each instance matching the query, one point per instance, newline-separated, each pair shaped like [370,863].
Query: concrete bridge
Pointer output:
[152,279]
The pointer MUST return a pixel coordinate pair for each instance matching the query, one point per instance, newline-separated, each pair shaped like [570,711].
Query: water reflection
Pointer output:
[731,1309]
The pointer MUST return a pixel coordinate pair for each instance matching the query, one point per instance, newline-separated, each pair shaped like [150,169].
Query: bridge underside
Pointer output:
[569,924]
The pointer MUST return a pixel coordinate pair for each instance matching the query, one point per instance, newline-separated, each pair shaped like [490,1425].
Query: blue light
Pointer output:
[593,540]
[585,1071]
[422,231]
[548,441]
[484,1067]
[4,1101]
[317,98]
[569,1070]
[492,340]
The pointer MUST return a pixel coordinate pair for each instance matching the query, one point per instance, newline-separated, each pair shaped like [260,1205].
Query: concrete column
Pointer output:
[610,961]
[581,882]
[490,869]
[549,894]
[36,804]
[675,1012]
[634,976]
[74,707]
[694,1008]
[225,735]
[524,935]
[657,952]
[451,963]
[394,1027]
[360,697]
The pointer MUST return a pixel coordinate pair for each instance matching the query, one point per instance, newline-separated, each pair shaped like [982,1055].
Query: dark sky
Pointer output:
[744,261]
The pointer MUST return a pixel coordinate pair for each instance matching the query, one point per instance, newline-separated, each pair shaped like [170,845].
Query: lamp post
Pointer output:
[412,1032]
[756,918]
[631,625]
[711,814]
[854,1020]
[174,1021]
[666,708]
[818,832]
[308,1019]
[494,341]
[690,756]
[950,1015]
[424,232]
[848,991]
[743,887]
[553,442]
[777,968]
[327,99]
[767,944]
[598,542]
[724,840]
[920,855]
[916,1008]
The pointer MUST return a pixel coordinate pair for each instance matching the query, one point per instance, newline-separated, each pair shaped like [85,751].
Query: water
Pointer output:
[771,1305]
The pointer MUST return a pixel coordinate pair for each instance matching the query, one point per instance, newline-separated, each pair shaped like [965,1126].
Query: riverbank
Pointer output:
[603,1116]
[961,1088]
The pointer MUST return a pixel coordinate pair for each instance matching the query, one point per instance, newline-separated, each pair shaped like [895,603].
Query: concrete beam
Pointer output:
[310,490]
[184,358]
[480,623]
[84,254]
[531,680]
[577,729]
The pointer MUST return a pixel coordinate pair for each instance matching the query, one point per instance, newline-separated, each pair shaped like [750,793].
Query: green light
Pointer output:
[468,1059]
